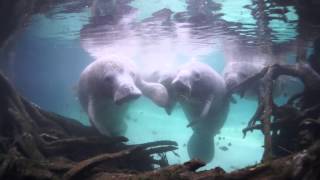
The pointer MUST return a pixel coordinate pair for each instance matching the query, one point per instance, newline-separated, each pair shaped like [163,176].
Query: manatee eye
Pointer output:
[108,79]
[197,76]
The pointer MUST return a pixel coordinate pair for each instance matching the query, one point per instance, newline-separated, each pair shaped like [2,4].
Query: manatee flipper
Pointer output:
[204,112]
[172,101]
[207,106]
[201,146]
[154,91]
[92,117]
[90,111]
[169,107]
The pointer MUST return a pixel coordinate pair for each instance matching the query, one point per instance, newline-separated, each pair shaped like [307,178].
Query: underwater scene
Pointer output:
[178,70]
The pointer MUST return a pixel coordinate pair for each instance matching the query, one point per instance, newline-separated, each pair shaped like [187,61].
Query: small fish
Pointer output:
[229,144]
[184,145]
[154,132]
[224,148]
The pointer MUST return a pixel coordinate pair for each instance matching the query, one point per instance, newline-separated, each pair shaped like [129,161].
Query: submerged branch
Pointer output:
[44,145]
[267,112]
[86,165]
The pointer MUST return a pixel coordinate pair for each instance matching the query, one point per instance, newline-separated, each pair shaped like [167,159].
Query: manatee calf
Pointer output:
[105,88]
[201,91]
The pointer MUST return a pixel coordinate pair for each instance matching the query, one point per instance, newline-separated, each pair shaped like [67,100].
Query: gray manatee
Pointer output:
[201,91]
[105,88]
[236,72]
[243,62]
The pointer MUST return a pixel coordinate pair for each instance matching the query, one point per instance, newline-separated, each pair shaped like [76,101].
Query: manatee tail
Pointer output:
[201,146]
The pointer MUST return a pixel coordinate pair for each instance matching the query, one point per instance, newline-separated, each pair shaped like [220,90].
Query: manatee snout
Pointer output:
[126,93]
[181,86]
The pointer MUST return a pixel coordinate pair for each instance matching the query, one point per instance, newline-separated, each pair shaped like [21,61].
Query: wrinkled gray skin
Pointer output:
[202,94]
[105,89]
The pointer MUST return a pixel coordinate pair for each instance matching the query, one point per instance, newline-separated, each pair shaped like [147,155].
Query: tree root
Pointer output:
[158,143]
[303,165]
[86,165]
[45,145]
[41,145]
[268,113]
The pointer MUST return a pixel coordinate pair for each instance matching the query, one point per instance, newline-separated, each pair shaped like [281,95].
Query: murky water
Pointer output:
[54,48]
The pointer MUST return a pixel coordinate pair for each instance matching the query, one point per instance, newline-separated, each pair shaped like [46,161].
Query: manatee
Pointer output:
[237,72]
[243,62]
[105,89]
[202,93]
